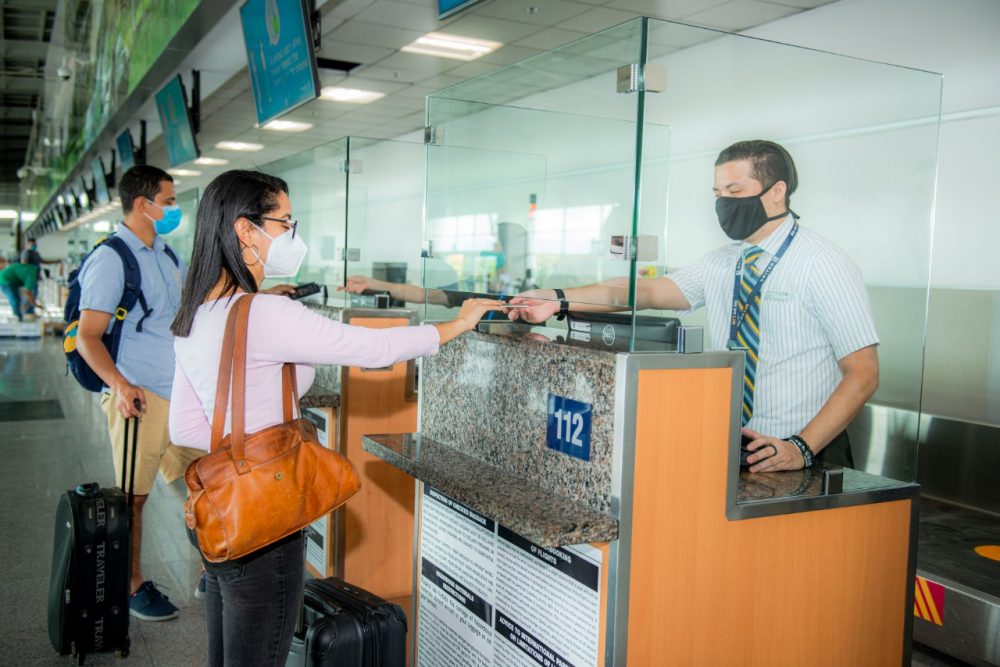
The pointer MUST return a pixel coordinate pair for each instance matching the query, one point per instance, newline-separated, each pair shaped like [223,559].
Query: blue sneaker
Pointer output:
[149,604]
[201,589]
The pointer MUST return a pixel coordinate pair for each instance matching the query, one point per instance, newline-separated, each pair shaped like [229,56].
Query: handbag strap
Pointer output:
[232,369]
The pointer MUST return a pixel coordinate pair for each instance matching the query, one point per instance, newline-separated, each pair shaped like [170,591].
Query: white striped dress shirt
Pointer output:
[814,311]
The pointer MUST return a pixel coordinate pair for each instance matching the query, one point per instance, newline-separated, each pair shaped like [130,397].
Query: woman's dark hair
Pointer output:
[217,250]
[769,163]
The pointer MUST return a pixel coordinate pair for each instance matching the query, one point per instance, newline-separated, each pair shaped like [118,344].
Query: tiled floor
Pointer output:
[41,459]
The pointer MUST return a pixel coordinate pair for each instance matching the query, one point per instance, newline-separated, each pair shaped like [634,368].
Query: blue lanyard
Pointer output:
[740,312]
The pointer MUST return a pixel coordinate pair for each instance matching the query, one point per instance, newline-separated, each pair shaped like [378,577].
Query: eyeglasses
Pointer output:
[290,224]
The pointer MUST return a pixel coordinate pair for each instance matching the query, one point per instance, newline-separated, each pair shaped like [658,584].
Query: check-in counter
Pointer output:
[637,540]
[583,505]
[368,540]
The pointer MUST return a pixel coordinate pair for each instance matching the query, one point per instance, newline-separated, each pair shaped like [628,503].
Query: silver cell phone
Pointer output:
[516,305]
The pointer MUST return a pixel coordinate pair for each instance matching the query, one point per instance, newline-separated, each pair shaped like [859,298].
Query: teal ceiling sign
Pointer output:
[171,102]
[280,55]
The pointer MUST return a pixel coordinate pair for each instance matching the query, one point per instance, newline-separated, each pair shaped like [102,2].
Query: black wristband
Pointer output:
[804,449]
[563,304]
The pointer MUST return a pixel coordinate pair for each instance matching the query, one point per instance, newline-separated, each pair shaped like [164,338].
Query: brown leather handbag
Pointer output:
[252,490]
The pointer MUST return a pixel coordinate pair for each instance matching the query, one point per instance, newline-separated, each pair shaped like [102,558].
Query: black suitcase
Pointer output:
[344,626]
[91,567]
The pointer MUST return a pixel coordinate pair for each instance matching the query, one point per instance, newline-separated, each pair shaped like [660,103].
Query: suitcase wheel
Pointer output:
[125,649]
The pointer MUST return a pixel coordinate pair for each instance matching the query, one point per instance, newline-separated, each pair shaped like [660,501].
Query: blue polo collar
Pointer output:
[135,244]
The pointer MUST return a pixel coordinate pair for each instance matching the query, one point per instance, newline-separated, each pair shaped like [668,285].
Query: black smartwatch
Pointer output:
[563,304]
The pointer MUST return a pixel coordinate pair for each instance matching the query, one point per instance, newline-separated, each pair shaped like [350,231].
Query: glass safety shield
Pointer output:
[591,168]
[359,205]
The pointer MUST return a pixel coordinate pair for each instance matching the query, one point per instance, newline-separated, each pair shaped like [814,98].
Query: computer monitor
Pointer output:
[391,272]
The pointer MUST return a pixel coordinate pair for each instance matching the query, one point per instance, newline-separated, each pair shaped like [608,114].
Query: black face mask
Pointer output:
[740,217]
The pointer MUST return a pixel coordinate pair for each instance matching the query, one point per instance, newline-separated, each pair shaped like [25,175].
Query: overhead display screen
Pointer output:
[126,156]
[100,182]
[280,54]
[171,103]
[449,7]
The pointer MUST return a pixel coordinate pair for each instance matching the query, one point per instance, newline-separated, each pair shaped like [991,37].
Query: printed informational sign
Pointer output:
[318,532]
[278,39]
[171,103]
[491,598]
[126,156]
[568,426]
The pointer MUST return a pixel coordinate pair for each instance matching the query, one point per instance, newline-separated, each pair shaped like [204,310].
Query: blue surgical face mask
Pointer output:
[171,218]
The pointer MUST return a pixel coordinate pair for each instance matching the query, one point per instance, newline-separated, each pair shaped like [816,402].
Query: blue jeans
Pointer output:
[29,309]
[13,295]
[252,605]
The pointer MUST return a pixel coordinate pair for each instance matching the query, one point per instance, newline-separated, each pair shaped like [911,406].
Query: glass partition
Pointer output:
[182,238]
[616,135]
[318,192]
[521,195]
[359,206]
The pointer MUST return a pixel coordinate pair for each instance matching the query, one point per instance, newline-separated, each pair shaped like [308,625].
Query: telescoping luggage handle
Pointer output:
[134,421]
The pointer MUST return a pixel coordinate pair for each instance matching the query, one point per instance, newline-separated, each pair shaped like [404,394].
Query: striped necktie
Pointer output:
[748,335]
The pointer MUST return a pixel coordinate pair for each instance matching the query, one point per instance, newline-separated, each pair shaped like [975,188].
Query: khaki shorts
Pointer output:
[155,451]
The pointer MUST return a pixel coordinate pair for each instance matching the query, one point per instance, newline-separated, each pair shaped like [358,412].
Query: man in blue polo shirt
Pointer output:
[145,364]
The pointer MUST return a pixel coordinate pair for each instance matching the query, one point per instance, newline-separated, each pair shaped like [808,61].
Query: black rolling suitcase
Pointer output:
[344,626]
[89,588]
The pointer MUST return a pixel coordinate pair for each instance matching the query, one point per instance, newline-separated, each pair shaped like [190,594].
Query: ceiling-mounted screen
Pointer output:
[448,7]
[101,195]
[278,38]
[126,152]
[171,103]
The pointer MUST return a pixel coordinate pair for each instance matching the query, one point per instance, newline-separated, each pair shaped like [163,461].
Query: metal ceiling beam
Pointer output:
[205,17]
[31,5]
[25,48]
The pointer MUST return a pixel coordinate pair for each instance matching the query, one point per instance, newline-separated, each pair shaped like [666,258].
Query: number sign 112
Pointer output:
[568,427]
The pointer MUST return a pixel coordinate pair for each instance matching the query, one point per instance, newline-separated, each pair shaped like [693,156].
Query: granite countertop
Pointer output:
[320,399]
[806,483]
[333,312]
[772,493]
[539,515]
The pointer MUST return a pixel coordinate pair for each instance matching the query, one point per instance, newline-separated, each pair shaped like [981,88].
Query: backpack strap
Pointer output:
[172,255]
[133,282]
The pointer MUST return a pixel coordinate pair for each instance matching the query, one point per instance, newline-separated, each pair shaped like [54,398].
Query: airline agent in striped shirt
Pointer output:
[811,344]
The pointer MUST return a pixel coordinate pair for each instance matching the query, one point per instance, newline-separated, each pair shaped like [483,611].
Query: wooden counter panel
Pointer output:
[378,521]
[708,591]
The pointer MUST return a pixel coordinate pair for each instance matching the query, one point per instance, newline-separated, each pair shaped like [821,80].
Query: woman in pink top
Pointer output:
[245,233]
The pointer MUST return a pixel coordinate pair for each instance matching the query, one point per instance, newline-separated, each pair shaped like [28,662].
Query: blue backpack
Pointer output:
[131,295]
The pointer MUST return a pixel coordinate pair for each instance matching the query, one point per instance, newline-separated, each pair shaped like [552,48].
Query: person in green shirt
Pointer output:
[13,278]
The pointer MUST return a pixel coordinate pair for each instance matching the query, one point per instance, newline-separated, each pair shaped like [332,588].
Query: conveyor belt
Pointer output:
[948,537]
[970,603]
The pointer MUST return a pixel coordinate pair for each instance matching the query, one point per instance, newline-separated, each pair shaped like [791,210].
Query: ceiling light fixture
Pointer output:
[238,146]
[287,126]
[443,45]
[7,214]
[211,161]
[183,172]
[349,95]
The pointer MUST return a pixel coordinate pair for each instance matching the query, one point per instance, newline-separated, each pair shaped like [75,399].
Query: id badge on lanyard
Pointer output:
[738,312]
